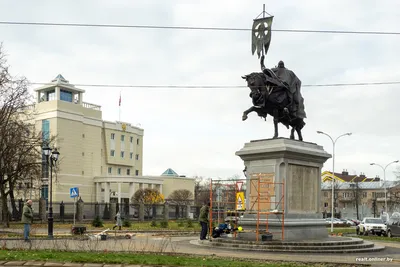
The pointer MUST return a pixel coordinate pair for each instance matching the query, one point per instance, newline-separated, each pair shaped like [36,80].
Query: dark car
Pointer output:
[393,227]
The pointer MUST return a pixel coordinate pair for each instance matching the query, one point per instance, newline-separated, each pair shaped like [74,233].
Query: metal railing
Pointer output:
[91,106]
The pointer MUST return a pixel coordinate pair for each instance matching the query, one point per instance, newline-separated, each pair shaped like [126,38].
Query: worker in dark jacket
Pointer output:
[203,219]
[26,219]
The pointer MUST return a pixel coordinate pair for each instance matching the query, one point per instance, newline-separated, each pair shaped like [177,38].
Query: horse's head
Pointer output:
[255,81]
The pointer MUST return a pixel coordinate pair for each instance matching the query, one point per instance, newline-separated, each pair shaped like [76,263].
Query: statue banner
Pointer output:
[261,35]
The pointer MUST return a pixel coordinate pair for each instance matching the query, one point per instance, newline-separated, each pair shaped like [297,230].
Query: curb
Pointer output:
[68,264]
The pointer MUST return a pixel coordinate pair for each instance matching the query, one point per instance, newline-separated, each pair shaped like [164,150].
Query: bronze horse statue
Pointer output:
[272,96]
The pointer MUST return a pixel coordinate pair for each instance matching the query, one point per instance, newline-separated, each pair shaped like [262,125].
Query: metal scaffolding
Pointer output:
[227,197]
[268,202]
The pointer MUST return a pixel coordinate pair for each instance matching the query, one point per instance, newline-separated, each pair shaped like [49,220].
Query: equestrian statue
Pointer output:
[276,92]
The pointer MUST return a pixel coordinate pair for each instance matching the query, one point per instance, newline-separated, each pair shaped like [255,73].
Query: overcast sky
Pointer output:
[198,131]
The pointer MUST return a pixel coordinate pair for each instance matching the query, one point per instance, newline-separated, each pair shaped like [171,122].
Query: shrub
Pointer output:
[189,223]
[97,222]
[164,224]
[180,223]
[126,223]
[153,223]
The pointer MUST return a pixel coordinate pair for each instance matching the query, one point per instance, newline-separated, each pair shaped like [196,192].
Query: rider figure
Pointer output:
[279,71]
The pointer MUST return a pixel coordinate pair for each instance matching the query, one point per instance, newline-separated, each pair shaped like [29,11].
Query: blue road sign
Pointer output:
[74,192]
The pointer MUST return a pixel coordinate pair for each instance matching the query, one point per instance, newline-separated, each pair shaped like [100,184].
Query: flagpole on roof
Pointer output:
[119,103]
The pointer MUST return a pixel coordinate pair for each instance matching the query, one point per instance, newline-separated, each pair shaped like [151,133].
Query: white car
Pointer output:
[371,225]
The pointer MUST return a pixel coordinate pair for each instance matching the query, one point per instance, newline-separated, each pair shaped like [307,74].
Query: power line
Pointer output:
[190,28]
[220,86]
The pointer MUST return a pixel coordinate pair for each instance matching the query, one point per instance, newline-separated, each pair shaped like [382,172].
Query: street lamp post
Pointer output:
[333,172]
[384,179]
[51,157]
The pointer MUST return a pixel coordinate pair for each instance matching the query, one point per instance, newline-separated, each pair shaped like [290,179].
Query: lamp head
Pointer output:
[349,134]
[396,161]
[46,150]
[372,164]
[55,154]
[320,132]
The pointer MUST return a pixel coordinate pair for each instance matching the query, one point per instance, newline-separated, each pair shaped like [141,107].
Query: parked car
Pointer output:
[371,225]
[350,222]
[354,222]
[336,221]
[393,227]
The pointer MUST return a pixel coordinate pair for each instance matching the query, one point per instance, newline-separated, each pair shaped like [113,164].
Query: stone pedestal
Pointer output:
[295,166]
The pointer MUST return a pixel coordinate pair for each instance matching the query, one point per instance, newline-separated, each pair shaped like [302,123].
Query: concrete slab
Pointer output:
[34,263]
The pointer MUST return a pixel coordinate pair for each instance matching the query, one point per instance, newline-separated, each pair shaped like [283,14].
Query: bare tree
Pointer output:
[201,190]
[356,195]
[181,198]
[19,142]
[394,193]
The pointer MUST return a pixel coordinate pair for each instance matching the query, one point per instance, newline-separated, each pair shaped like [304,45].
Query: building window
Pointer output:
[51,95]
[325,194]
[109,170]
[122,138]
[326,204]
[112,136]
[65,96]
[131,139]
[119,171]
[112,153]
[137,172]
[137,141]
[364,194]
[137,156]
[45,139]
[122,154]
[128,171]
[45,130]
[131,155]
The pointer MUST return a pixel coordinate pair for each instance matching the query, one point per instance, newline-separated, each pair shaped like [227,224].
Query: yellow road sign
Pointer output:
[240,201]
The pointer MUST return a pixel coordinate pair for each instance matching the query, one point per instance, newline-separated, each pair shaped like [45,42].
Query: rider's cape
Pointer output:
[288,77]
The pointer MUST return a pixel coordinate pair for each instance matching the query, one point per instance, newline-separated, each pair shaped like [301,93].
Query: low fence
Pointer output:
[64,211]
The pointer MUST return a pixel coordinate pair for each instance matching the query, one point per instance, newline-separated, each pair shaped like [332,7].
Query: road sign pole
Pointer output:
[74,209]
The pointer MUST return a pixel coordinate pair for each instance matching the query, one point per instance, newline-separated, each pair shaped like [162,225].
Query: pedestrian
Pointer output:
[203,219]
[27,218]
[118,221]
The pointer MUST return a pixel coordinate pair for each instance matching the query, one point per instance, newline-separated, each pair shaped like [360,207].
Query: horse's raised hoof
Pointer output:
[244,117]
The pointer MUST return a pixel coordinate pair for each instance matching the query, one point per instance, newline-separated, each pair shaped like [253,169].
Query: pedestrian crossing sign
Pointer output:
[74,192]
